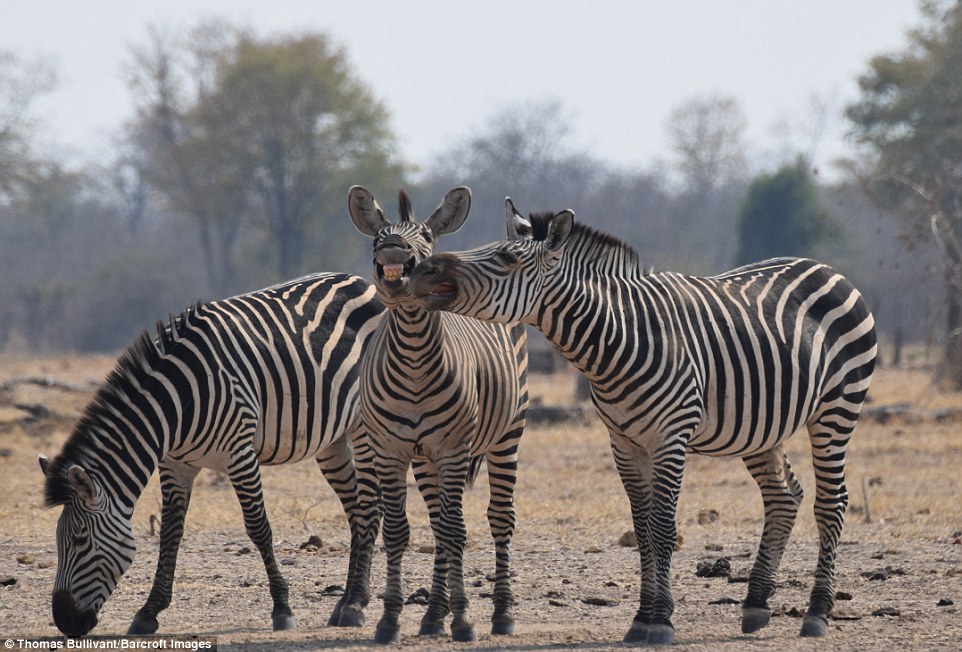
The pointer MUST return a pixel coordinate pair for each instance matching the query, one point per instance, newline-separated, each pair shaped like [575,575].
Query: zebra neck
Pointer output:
[593,321]
[122,468]
[414,341]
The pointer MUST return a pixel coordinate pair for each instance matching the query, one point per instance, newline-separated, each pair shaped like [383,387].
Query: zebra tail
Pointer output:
[474,467]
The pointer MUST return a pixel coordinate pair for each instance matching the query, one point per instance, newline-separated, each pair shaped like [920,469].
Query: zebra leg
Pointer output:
[502,475]
[634,468]
[245,475]
[782,495]
[337,465]
[426,477]
[829,434]
[364,520]
[176,482]
[453,475]
[397,534]
[668,465]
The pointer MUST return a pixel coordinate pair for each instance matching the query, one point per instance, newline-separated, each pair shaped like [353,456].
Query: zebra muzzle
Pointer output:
[69,618]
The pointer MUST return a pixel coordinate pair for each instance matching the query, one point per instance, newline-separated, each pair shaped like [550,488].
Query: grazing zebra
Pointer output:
[730,365]
[268,377]
[440,392]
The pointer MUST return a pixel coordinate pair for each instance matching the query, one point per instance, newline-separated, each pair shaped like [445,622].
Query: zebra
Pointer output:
[727,365]
[438,392]
[268,377]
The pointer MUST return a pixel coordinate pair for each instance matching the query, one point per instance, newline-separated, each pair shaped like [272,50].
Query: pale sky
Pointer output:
[443,67]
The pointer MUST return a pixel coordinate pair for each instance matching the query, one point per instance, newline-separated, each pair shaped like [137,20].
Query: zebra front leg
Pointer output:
[337,465]
[176,482]
[829,437]
[432,623]
[245,475]
[668,465]
[782,495]
[397,533]
[634,468]
[454,536]
[502,476]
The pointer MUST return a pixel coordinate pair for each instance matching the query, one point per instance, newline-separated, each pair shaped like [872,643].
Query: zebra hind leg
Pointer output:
[432,623]
[245,475]
[782,495]
[829,435]
[176,481]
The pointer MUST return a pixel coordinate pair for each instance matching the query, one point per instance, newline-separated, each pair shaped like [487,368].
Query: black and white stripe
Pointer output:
[268,377]
[439,392]
[730,365]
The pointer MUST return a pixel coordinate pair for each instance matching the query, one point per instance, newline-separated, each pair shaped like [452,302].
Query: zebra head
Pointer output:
[400,246]
[95,545]
[500,282]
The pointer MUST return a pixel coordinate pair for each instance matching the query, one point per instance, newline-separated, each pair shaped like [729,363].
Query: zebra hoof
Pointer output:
[637,634]
[142,626]
[463,633]
[661,635]
[282,622]
[502,627]
[754,618]
[432,627]
[387,633]
[814,626]
[350,616]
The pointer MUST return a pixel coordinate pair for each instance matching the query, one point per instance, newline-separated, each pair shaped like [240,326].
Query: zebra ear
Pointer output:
[367,216]
[450,215]
[517,226]
[82,484]
[559,230]
[44,463]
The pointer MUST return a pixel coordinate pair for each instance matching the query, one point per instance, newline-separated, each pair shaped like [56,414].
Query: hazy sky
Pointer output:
[443,67]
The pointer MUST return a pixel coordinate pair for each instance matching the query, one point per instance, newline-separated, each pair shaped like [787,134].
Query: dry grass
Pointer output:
[571,510]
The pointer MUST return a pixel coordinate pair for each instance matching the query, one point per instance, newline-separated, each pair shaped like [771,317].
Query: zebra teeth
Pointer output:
[393,272]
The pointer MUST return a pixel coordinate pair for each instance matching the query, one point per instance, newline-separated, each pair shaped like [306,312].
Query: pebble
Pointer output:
[719,568]
[600,601]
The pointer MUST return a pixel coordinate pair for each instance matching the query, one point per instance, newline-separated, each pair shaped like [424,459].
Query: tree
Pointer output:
[707,138]
[908,121]
[21,83]
[781,216]
[268,132]
[525,151]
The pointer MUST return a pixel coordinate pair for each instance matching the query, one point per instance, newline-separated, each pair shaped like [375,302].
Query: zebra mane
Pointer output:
[134,364]
[594,247]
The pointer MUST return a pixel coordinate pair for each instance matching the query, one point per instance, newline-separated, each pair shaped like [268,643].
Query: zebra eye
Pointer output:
[508,258]
[427,234]
[79,539]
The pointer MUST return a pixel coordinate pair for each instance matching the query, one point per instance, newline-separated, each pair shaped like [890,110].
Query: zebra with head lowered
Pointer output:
[730,365]
[268,377]
[440,392]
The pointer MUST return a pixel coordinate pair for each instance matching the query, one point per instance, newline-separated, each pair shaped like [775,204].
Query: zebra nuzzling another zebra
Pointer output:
[439,392]
[268,377]
[729,365]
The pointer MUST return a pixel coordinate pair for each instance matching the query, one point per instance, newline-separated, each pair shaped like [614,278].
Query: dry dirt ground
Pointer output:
[900,556]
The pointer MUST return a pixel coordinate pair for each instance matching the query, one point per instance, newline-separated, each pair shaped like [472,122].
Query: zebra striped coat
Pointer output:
[268,377]
[730,365]
[440,392]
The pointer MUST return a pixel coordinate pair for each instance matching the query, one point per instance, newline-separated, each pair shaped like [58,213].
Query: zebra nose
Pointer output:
[69,618]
